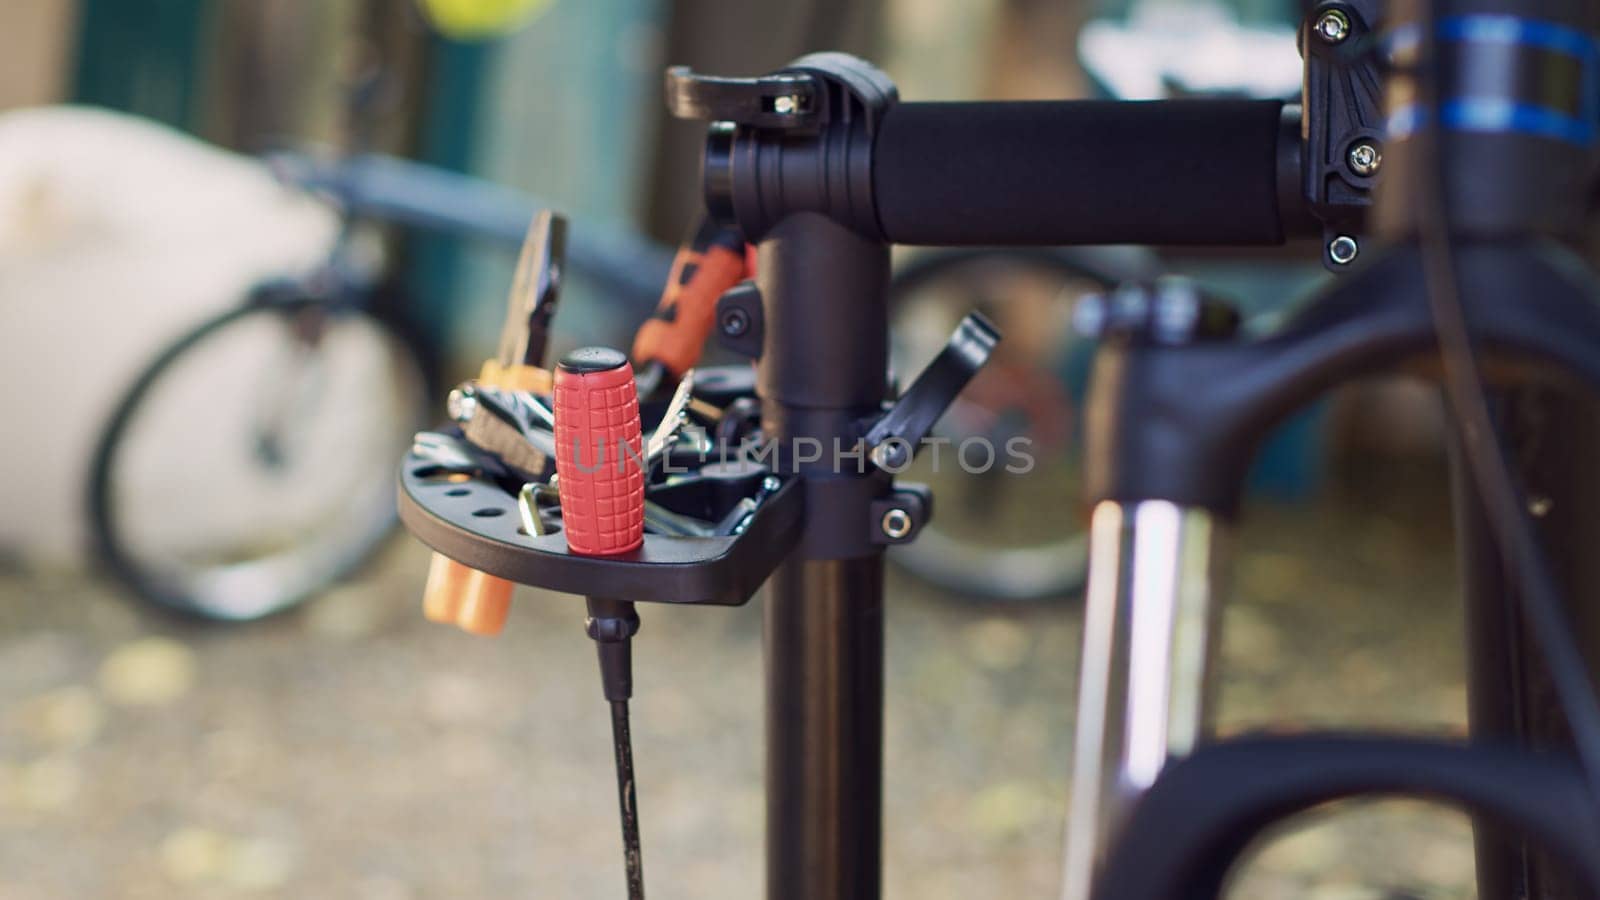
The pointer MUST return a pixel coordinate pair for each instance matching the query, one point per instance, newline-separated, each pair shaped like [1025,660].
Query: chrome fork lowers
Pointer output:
[1144,692]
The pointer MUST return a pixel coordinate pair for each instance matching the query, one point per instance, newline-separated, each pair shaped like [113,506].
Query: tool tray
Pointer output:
[471,516]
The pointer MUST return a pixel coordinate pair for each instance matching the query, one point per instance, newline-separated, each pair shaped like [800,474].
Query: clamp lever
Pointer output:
[894,438]
[781,100]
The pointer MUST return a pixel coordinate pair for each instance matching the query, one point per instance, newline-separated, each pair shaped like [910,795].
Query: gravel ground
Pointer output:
[350,749]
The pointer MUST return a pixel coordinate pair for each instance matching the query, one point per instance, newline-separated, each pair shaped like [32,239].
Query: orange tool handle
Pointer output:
[713,261]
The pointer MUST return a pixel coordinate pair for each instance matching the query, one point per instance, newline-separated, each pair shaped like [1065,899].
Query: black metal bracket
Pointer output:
[1342,122]
[741,326]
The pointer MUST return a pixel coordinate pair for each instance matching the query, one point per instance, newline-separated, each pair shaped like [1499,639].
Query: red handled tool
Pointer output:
[599,452]
[600,467]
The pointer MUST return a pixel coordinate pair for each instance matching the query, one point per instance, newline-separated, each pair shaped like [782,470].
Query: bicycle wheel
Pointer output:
[252,463]
[999,534]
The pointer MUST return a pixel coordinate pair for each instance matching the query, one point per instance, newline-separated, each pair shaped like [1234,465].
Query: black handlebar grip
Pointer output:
[1079,172]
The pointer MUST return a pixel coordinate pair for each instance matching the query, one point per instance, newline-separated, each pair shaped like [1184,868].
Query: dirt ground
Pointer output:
[350,749]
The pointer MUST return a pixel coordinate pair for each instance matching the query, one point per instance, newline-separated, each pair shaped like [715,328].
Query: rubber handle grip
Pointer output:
[1079,172]
[713,261]
[599,447]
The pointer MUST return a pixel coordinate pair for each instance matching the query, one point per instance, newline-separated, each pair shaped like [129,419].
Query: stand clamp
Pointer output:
[756,172]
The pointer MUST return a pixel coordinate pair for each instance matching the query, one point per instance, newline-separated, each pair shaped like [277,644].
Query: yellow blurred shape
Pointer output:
[193,854]
[468,20]
[66,717]
[150,671]
[48,784]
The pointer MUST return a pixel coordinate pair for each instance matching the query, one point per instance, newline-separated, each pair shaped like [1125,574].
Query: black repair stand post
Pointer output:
[823,370]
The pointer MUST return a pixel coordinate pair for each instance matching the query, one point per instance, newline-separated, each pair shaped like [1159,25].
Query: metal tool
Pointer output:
[473,600]
[672,421]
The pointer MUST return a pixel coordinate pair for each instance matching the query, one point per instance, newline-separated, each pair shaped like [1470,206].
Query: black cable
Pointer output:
[612,624]
[1509,520]
[627,799]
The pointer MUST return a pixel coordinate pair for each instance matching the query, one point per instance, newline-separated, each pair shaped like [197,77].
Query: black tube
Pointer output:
[824,658]
[1553,435]
[1495,648]
[1078,172]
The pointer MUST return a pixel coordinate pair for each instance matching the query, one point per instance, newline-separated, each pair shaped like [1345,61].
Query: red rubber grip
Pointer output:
[599,447]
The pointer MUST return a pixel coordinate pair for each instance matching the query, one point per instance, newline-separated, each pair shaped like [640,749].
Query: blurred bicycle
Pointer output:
[249,465]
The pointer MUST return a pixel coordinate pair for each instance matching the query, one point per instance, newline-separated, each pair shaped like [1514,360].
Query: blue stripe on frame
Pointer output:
[1497,116]
[1513,30]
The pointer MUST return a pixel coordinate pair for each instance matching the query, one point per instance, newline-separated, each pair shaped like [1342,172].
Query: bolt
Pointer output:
[896,524]
[891,454]
[1333,26]
[786,105]
[1539,505]
[770,484]
[1343,249]
[735,322]
[461,404]
[1365,158]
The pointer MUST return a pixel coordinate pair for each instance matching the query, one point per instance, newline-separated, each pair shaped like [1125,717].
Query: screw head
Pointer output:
[1343,250]
[786,105]
[891,454]
[1364,158]
[735,322]
[896,524]
[461,403]
[1333,26]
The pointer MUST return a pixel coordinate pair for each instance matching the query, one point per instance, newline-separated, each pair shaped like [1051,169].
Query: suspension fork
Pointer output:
[1166,464]
[1145,691]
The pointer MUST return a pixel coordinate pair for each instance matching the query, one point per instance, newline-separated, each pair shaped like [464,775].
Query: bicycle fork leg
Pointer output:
[1143,694]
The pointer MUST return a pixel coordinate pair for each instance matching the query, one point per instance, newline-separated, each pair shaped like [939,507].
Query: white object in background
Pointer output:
[117,235]
[1193,47]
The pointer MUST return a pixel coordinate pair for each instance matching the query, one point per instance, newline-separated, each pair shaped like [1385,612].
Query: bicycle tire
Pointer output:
[109,541]
[1034,574]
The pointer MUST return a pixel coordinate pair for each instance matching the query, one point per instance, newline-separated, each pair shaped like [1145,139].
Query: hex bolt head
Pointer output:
[896,524]
[735,322]
[1333,26]
[1364,158]
[786,105]
[1343,250]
